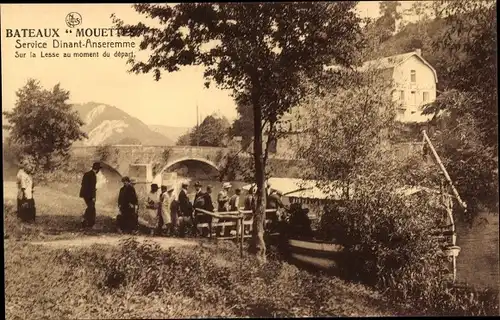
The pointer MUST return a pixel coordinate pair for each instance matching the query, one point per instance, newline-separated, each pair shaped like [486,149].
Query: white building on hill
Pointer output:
[413,85]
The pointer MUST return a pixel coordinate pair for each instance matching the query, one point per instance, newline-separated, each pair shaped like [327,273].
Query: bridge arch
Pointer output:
[179,160]
[109,167]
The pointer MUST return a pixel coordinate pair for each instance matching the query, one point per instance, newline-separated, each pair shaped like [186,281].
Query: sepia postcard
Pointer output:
[263,159]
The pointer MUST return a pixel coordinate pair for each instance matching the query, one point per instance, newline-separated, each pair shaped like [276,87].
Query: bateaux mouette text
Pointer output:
[33,33]
[56,32]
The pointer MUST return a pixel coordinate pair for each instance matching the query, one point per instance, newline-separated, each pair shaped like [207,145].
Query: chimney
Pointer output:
[419,51]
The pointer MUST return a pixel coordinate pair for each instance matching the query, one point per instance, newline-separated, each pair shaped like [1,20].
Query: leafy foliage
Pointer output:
[243,125]
[105,153]
[346,138]
[458,38]
[390,243]
[262,52]
[212,132]
[459,139]
[43,126]
[474,24]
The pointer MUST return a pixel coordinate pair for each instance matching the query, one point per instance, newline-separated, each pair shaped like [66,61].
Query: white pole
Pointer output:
[443,169]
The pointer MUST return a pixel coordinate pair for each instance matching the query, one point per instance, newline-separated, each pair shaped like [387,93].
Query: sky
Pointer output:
[171,101]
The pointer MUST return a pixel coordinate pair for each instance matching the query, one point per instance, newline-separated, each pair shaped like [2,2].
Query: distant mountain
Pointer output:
[173,133]
[105,124]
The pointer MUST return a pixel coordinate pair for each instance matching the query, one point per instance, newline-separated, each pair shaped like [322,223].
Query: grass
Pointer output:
[137,280]
[207,281]
[142,281]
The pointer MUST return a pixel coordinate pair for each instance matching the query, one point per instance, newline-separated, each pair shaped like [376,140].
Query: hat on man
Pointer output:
[185,184]
[226,185]
[133,181]
[125,179]
[197,184]
[96,166]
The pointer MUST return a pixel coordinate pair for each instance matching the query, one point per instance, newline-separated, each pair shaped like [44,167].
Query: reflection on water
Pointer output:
[478,262]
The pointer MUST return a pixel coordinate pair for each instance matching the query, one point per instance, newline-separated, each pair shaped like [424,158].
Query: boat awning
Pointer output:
[298,188]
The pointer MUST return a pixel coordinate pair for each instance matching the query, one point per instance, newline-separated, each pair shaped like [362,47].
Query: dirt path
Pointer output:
[114,240]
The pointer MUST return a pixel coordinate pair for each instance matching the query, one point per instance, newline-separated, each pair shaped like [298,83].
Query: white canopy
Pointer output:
[307,189]
[297,188]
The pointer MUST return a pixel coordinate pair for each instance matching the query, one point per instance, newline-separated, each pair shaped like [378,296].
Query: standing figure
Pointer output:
[152,205]
[198,202]
[268,189]
[185,208]
[208,205]
[88,193]
[274,202]
[223,205]
[234,202]
[223,198]
[128,204]
[249,203]
[250,206]
[167,208]
[234,205]
[26,210]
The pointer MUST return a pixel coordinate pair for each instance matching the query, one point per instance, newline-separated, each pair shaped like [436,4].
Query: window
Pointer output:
[413,98]
[425,97]
[413,76]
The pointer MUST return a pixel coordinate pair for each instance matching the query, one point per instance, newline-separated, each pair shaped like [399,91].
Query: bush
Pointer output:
[211,277]
[390,244]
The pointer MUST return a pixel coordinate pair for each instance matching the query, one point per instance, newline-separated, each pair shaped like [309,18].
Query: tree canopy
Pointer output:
[43,126]
[212,132]
[261,51]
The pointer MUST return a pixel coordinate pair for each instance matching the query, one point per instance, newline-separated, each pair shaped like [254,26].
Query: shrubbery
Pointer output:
[390,244]
[215,283]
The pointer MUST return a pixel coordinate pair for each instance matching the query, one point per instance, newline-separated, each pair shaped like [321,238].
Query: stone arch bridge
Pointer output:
[147,163]
[122,159]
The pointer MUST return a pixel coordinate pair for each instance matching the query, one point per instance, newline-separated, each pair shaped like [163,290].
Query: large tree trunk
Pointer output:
[258,245]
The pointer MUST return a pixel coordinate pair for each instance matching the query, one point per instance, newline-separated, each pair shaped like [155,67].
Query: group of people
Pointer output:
[171,214]
[179,216]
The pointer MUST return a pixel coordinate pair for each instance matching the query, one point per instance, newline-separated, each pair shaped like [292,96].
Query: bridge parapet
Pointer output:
[120,157]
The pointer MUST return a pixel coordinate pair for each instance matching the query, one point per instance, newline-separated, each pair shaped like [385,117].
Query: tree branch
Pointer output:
[270,137]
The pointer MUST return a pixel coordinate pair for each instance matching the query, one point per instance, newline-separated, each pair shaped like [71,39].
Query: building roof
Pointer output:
[388,62]
[394,61]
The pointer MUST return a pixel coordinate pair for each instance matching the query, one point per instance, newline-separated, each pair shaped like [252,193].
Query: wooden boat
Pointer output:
[321,255]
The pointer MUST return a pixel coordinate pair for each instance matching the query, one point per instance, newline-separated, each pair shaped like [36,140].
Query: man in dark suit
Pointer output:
[209,206]
[88,193]
[185,208]
[198,202]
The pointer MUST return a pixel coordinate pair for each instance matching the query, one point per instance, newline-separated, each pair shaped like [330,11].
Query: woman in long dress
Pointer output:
[166,200]
[152,205]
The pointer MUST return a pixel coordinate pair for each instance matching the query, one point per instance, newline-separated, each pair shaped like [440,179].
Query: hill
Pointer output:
[173,133]
[105,124]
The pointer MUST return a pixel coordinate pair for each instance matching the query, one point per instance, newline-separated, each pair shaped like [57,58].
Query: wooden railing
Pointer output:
[239,219]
